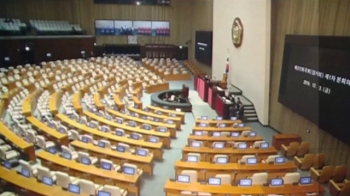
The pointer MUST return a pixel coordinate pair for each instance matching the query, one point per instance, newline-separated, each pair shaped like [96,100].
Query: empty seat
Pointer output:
[88,187]
[43,171]
[340,173]
[25,165]
[270,159]
[44,144]
[114,166]
[93,160]
[114,190]
[70,151]
[138,171]
[245,157]
[319,161]
[259,178]
[215,158]
[224,178]
[63,179]
[191,173]
[303,149]
[323,175]
[290,150]
[291,178]
[304,163]
[339,189]
[195,155]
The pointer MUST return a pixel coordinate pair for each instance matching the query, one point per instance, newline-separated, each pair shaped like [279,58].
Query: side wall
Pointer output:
[326,17]
[250,63]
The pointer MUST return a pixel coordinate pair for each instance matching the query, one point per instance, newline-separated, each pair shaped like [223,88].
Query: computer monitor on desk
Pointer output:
[276,182]
[240,125]
[280,160]
[245,182]
[219,145]
[203,125]
[141,152]
[103,193]
[73,188]
[84,139]
[191,158]
[219,118]
[120,148]
[242,146]
[305,181]
[7,165]
[222,125]
[233,118]
[25,173]
[52,150]
[252,134]
[85,161]
[67,155]
[214,181]
[235,134]
[252,161]
[153,139]
[183,178]
[106,166]
[47,180]
[195,144]
[264,145]
[119,133]
[216,134]
[204,117]
[101,144]
[198,133]
[221,160]
[129,170]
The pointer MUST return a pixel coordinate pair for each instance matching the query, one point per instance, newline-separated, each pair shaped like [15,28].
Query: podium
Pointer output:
[202,87]
[212,92]
[222,108]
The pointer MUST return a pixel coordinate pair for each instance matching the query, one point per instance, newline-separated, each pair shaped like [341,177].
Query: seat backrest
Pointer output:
[257,144]
[340,173]
[303,148]
[326,173]
[245,133]
[319,161]
[291,178]
[107,143]
[90,138]
[75,134]
[196,155]
[245,157]
[345,191]
[191,173]
[219,156]
[41,141]
[126,146]
[130,165]
[62,179]
[87,187]
[225,178]
[83,154]
[259,178]
[292,149]
[66,149]
[308,160]
[115,191]
[26,165]
[106,161]
[271,158]
[43,171]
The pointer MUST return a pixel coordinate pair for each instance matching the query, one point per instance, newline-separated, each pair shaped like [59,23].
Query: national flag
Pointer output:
[227,65]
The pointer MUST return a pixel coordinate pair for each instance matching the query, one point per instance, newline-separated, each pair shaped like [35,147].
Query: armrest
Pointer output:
[334,189]
[315,174]
[285,148]
[297,161]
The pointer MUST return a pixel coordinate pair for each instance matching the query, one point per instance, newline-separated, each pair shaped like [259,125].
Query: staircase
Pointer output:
[249,109]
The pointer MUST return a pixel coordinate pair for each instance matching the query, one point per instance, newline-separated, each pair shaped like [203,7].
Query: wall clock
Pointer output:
[237,32]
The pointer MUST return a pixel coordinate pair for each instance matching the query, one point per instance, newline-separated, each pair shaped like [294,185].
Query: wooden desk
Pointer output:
[117,157]
[90,172]
[152,88]
[234,155]
[97,101]
[286,139]
[209,140]
[29,102]
[137,101]
[165,137]
[54,102]
[76,103]
[118,101]
[156,148]
[7,97]
[171,127]
[224,129]
[51,134]
[30,186]
[21,145]
[215,122]
[294,189]
[177,120]
[174,188]
[237,171]
[179,114]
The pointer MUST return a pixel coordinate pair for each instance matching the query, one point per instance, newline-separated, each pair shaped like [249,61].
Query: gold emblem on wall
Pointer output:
[237,32]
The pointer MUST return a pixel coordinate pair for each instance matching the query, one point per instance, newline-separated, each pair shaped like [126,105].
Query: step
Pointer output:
[249,107]
[252,119]
[250,115]
[249,111]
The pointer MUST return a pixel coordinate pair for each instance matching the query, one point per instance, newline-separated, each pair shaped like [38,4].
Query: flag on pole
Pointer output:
[227,65]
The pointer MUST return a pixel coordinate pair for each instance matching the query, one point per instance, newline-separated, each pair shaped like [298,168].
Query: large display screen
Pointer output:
[129,27]
[203,46]
[315,81]
[104,27]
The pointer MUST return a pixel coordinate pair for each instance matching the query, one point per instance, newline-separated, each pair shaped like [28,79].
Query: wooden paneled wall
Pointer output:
[85,12]
[202,20]
[313,17]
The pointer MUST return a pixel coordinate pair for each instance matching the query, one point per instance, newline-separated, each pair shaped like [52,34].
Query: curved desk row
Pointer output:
[156,148]
[209,140]
[168,112]
[172,188]
[177,120]
[234,155]
[90,172]
[224,129]
[164,137]
[229,123]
